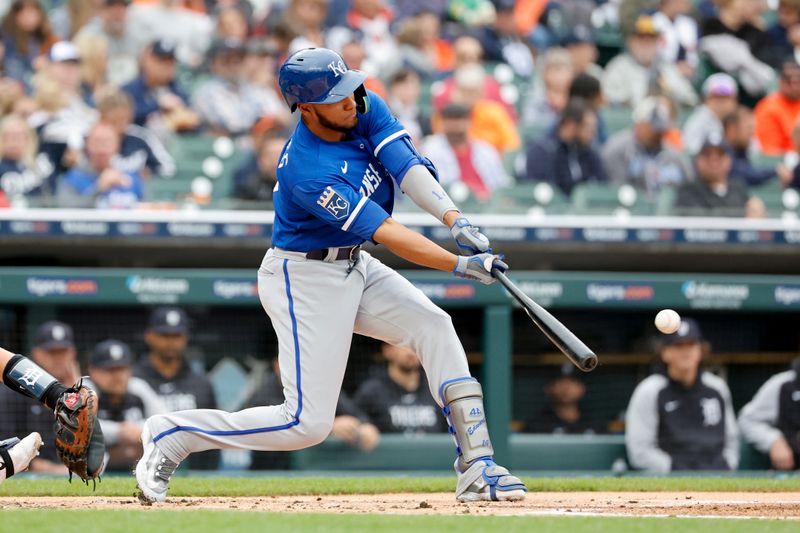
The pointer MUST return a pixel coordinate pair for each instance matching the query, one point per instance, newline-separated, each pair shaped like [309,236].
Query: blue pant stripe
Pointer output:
[291,424]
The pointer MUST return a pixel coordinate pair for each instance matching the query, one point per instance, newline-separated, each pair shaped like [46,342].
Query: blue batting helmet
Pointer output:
[319,76]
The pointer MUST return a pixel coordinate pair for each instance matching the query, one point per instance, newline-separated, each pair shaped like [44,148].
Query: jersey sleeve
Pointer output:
[336,203]
[378,125]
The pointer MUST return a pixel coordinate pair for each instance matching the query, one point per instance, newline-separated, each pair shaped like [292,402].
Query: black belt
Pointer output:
[349,253]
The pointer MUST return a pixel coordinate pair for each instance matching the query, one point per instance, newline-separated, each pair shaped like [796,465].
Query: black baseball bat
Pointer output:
[566,341]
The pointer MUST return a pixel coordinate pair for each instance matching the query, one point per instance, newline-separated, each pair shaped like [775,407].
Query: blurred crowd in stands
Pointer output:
[697,100]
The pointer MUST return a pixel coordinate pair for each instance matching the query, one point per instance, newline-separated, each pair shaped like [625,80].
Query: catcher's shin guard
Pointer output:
[463,407]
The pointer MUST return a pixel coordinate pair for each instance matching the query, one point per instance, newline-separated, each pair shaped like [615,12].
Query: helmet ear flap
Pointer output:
[362,99]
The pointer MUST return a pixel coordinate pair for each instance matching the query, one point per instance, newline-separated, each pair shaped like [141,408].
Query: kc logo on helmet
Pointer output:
[338,68]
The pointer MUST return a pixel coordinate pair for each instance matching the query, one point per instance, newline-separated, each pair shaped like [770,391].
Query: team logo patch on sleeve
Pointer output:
[334,203]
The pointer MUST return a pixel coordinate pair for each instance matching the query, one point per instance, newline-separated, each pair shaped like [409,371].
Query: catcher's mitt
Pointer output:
[79,439]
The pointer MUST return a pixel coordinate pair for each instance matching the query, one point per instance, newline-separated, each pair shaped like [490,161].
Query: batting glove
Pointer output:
[479,267]
[470,241]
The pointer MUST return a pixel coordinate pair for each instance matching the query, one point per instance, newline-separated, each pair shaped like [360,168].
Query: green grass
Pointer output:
[215,521]
[261,486]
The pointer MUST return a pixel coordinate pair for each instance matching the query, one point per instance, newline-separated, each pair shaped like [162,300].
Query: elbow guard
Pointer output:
[400,155]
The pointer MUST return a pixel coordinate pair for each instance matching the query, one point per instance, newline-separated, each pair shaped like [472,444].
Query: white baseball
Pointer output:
[668,321]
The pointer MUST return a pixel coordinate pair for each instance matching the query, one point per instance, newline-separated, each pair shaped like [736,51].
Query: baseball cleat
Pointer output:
[153,471]
[484,480]
[20,453]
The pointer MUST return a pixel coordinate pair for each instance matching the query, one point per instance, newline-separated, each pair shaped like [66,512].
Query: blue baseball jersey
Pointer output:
[335,194]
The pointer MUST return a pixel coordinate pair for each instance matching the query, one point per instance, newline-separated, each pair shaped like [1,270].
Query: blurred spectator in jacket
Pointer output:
[26,34]
[739,127]
[490,121]
[742,19]
[640,155]
[306,18]
[404,90]
[733,41]
[468,51]
[260,65]
[65,65]
[159,102]
[460,158]
[503,42]
[679,35]
[373,19]
[410,8]
[20,176]
[227,103]
[777,112]
[231,24]
[681,418]
[140,151]
[190,31]
[638,72]
[122,44]
[771,420]
[789,171]
[785,31]
[353,54]
[719,100]
[94,182]
[256,179]
[422,46]
[548,93]
[713,193]
[94,65]
[567,156]
[62,118]
[588,88]
[580,43]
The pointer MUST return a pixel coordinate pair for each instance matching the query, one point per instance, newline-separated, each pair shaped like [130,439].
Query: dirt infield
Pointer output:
[698,504]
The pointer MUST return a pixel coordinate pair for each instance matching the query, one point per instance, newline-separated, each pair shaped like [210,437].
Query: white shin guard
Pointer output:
[463,407]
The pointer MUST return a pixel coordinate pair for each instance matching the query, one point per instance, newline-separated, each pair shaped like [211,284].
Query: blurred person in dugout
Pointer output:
[681,417]
[460,159]
[350,424]
[396,399]
[770,422]
[562,412]
[167,371]
[125,402]
[55,352]
[713,192]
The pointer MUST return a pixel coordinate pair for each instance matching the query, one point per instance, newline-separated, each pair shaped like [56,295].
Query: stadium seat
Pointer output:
[602,198]
[616,118]
[521,198]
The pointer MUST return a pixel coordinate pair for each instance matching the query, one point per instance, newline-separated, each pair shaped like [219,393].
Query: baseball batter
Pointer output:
[334,193]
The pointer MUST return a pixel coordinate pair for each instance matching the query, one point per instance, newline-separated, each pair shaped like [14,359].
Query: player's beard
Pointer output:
[336,127]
